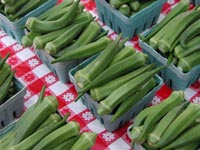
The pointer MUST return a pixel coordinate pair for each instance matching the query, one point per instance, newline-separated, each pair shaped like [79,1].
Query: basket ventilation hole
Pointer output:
[135,32]
[102,18]
[2,124]
[14,114]
[118,30]
[110,24]
[170,82]
[101,120]
[121,123]
[145,26]
[154,20]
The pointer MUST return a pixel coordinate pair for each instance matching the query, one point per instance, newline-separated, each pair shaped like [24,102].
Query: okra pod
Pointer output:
[42,26]
[58,136]
[3,60]
[5,71]
[177,127]
[125,52]
[103,91]
[29,5]
[85,141]
[189,33]
[67,144]
[90,72]
[56,8]
[126,65]
[4,88]
[84,51]
[107,105]
[188,137]
[186,64]
[39,114]
[88,35]
[175,27]
[181,7]
[53,47]
[38,135]
[133,99]
[176,98]
[163,124]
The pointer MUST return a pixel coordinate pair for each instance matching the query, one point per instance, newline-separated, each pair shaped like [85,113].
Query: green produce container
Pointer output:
[171,75]
[16,29]
[132,26]
[60,69]
[92,105]
[14,106]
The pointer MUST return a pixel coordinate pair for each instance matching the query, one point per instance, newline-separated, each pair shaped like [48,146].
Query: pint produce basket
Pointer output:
[171,75]
[132,26]
[14,106]
[15,29]
[92,105]
[60,69]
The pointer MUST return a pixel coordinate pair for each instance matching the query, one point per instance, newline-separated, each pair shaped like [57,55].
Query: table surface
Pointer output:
[30,70]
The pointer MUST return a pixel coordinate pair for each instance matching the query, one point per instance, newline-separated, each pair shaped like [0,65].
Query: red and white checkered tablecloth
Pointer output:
[30,70]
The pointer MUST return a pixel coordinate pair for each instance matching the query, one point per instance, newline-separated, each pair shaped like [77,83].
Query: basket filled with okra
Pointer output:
[63,39]
[171,124]
[14,14]
[12,94]
[175,41]
[129,17]
[46,129]
[116,83]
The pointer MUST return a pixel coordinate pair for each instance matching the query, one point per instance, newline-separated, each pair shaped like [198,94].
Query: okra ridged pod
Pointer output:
[126,65]
[27,7]
[192,146]
[84,51]
[53,47]
[177,127]
[189,136]
[175,28]
[181,7]
[38,115]
[27,40]
[88,73]
[125,52]
[37,136]
[140,118]
[4,88]
[86,37]
[179,49]
[56,8]
[53,118]
[163,124]
[3,60]
[176,98]
[186,64]
[187,51]
[67,144]
[5,71]
[189,33]
[85,141]
[133,99]
[40,41]
[28,112]
[107,105]
[100,92]
[42,26]
[58,136]
[117,3]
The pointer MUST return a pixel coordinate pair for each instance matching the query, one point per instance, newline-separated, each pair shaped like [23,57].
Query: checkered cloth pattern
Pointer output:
[30,70]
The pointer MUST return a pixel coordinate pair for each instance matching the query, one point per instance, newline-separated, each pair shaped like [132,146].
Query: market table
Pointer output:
[30,70]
